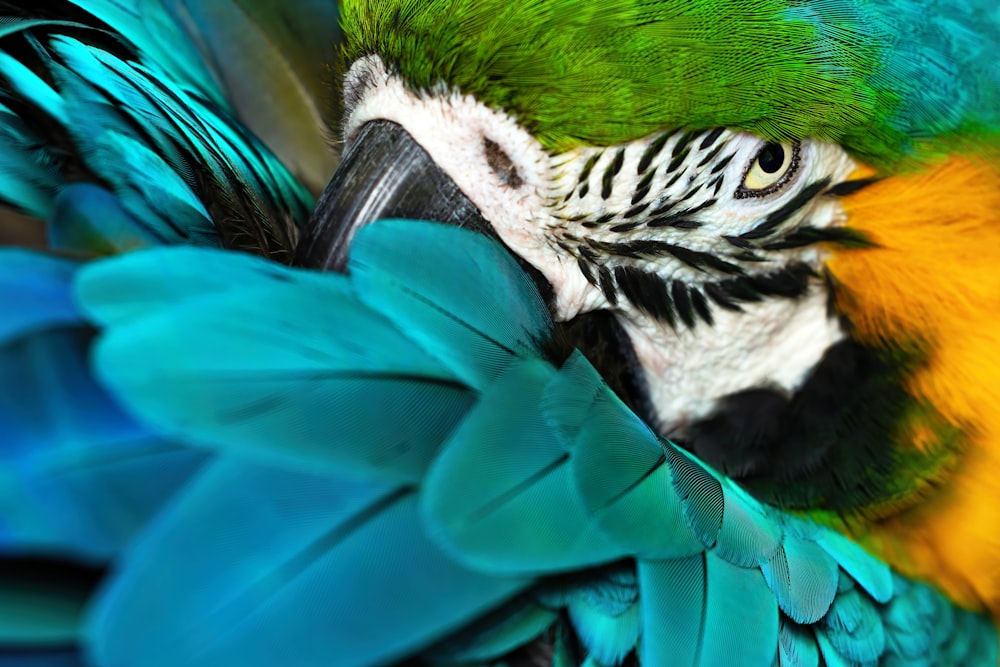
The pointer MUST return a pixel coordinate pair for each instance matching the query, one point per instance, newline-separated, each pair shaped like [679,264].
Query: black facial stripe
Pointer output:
[635,210]
[646,291]
[607,285]
[682,302]
[682,143]
[808,235]
[588,167]
[584,267]
[775,218]
[716,184]
[643,188]
[676,162]
[607,181]
[711,155]
[671,220]
[626,227]
[721,299]
[722,163]
[850,187]
[701,306]
[711,138]
[651,249]
[668,301]
[651,152]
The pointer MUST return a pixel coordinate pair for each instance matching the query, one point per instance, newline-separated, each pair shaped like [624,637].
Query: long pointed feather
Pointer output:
[500,495]
[296,388]
[286,568]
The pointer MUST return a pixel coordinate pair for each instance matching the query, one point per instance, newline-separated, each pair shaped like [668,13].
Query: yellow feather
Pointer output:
[934,279]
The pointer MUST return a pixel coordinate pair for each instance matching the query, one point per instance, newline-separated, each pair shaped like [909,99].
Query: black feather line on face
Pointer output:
[782,214]
[669,301]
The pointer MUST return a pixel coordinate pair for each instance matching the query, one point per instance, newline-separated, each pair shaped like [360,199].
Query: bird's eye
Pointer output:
[771,168]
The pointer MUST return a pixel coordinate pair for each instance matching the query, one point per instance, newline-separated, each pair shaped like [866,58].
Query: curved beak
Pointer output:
[385,173]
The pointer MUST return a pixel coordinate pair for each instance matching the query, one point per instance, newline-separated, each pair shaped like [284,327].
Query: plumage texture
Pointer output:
[285,466]
[931,285]
[515,494]
[887,80]
[84,105]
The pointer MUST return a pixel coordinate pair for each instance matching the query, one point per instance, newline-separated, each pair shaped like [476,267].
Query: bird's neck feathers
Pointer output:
[931,283]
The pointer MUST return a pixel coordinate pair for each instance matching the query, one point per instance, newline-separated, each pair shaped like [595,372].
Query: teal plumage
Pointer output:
[523,490]
[287,467]
[166,146]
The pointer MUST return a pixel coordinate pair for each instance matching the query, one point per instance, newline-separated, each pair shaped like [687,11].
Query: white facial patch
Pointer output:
[454,129]
[703,243]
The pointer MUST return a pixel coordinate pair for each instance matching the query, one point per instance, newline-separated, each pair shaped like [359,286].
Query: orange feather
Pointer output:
[934,279]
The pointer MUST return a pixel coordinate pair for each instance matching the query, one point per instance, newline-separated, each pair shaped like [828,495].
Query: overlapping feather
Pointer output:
[144,120]
[505,516]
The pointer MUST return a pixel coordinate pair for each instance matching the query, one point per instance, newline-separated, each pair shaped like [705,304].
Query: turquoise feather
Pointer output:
[796,645]
[606,615]
[513,500]
[208,370]
[158,279]
[39,611]
[155,133]
[499,497]
[265,62]
[855,628]
[500,632]
[287,564]
[618,465]
[89,216]
[475,327]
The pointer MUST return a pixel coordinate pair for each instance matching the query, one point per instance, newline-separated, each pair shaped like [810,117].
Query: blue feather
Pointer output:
[295,388]
[41,658]
[34,293]
[78,475]
[89,217]
[284,566]
[477,327]
[500,495]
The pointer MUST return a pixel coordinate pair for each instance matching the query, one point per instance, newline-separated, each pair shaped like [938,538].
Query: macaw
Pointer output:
[713,386]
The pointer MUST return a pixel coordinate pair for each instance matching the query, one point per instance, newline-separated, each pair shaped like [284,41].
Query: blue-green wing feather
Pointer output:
[477,328]
[287,567]
[201,364]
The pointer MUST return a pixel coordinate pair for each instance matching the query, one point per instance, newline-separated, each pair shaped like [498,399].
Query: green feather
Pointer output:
[879,78]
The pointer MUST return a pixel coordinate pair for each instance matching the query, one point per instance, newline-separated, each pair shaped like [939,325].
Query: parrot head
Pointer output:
[774,221]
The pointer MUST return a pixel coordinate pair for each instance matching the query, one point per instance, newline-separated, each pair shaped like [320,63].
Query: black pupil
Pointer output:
[771,158]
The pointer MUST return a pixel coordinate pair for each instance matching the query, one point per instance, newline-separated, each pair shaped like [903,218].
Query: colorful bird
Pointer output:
[764,226]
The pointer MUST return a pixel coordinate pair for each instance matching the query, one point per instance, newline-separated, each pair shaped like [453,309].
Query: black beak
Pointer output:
[384,174]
